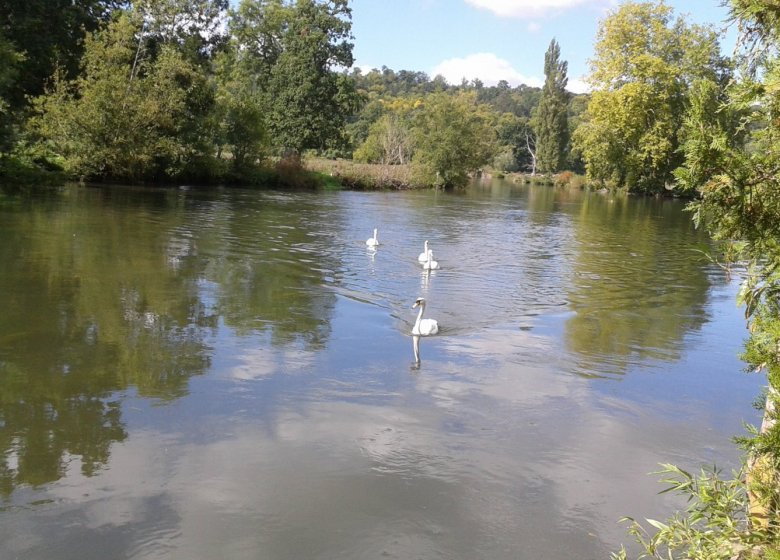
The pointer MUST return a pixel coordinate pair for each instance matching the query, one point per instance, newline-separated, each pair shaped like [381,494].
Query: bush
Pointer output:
[563,179]
[713,526]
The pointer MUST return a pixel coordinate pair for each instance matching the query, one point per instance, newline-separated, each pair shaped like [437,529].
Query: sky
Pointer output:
[495,40]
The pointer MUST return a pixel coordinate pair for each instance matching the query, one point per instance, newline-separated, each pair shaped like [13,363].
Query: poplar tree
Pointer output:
[550,119]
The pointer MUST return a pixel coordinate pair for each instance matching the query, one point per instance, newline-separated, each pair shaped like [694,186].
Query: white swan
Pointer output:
[372,241]
[424,255]
[423,327]
[430,264]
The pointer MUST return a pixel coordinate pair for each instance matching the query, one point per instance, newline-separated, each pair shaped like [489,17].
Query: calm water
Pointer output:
[202,375]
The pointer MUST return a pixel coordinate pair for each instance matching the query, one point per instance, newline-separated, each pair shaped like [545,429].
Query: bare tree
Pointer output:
[530,144]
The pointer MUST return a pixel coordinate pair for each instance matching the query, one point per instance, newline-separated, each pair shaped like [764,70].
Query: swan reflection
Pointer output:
[430,264]
[416,350]
[425,279]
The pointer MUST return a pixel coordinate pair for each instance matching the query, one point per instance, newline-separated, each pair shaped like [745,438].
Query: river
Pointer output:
[198,374]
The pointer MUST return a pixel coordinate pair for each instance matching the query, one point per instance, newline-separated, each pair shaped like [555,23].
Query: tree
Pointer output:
[308,101]
[453,137]
[195,26]
[550,118]
[389,142]
[512,137]
[240,108]
[710,128]
[128,116]
[50,34]
[644,64]
[739,184]
[9,71]
[738,188]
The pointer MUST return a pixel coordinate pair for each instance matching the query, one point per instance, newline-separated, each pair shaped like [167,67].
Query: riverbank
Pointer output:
[363,176]
[310,173]
[369,176]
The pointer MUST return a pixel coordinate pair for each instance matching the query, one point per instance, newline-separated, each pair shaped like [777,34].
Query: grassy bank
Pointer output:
[368,176]
[363,176]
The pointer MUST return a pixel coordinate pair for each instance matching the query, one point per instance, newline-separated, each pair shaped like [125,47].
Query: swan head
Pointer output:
[418,302]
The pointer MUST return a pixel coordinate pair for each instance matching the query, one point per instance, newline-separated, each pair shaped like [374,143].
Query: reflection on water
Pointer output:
[638,283]
[190,374]
[416,349]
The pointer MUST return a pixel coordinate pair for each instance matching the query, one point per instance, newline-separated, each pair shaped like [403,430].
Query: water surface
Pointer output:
[192,374]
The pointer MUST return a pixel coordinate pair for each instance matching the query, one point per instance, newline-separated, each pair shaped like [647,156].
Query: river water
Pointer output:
[190,374]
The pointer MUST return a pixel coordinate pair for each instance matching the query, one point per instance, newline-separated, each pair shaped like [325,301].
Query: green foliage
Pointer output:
[10,60]
[714,525]
[453,137]
[193,26]
[550,118]
[308,101]
[710,130]
[644,61]
[385,82]
[50,33]
[128,116]
[514,137]
[740,195]
[358,125]
[240,112]
[520,101]
[389,142]
[739,203]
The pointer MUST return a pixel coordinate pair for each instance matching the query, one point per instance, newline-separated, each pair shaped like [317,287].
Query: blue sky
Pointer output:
[493,39]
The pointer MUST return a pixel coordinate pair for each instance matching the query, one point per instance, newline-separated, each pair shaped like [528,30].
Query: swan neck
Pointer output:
[419,317]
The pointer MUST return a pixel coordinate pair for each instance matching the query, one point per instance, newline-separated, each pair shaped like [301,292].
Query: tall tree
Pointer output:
[739,203]
[240,110]
[49,33]
[308,99]
[550,118]
[10,61]
[195,26]
[645,60]
[739,185]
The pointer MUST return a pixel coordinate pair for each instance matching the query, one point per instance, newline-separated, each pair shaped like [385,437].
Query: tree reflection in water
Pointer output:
[106,295]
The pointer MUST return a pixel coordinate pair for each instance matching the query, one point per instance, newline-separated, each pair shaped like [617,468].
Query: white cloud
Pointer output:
[578,85]
[487,67]
[526,8]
